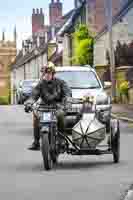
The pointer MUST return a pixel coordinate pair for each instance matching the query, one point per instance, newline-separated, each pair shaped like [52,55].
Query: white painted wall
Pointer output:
[19,74]
[32,71]
[66,58]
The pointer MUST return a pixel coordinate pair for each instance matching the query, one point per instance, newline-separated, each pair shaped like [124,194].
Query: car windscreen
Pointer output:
[79,79]
[28,83]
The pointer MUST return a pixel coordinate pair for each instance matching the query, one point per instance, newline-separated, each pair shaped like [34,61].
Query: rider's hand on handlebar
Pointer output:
[28,107]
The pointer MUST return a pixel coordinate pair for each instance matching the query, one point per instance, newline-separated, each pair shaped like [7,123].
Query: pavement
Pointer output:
[123,112]
[74,178]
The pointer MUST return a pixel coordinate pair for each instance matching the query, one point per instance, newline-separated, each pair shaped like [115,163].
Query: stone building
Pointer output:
[7,55]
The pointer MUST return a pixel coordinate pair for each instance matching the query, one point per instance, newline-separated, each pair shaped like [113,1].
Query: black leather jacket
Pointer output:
[51,92]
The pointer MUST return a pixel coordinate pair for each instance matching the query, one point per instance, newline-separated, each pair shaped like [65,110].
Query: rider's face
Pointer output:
[49,76]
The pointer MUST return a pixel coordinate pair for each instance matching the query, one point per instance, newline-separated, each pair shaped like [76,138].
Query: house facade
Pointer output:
[122,33]
[27,67]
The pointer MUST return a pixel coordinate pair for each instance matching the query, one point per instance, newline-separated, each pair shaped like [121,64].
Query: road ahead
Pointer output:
[89,177]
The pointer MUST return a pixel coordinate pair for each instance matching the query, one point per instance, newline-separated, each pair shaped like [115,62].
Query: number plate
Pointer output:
[47,116]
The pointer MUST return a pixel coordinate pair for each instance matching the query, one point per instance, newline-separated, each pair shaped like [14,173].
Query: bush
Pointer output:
[83,46]
[4,100]
[124,88]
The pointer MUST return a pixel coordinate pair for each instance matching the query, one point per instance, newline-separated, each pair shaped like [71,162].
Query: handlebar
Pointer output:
[47,108]
[69,100]
[79,101]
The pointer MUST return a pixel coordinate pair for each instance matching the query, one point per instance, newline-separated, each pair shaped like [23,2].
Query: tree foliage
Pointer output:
[84,42]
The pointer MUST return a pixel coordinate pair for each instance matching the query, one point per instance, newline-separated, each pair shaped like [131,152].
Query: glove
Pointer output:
[60,106]
[28,108]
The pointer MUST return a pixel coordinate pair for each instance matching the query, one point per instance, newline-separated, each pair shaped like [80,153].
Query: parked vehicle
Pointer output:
[24,90]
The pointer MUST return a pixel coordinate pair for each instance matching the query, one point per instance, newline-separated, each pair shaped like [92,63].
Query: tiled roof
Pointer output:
[20,59]
[70,22]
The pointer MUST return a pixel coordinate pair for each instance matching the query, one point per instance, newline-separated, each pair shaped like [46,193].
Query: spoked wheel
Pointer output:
[45,148]
[115,141]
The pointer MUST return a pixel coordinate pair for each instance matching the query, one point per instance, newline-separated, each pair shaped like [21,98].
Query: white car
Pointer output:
[24,90]
[85,81]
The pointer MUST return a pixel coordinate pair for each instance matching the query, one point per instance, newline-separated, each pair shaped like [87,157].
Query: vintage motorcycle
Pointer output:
[85,132]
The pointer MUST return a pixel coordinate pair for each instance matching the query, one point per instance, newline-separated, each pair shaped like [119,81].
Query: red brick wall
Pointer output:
[97,12]
[55,11]
[37,20]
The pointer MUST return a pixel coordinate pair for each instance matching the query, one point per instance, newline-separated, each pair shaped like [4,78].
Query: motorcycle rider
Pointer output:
[51,91]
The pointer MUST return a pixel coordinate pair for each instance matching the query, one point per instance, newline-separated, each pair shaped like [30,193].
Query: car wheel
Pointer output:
[115,141]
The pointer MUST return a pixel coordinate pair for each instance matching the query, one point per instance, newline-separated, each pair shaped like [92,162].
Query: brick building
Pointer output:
[97,12]
[37,20]
[42,33]
[55,11]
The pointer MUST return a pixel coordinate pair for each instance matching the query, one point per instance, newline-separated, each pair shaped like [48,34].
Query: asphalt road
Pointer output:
[88,177]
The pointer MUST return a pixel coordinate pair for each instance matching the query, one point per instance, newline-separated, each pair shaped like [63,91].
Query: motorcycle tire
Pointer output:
[45,149]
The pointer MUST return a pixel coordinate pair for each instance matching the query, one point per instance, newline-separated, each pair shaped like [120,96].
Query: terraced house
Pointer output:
[123,47]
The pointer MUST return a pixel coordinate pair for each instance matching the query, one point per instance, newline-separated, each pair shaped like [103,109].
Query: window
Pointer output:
[79,79]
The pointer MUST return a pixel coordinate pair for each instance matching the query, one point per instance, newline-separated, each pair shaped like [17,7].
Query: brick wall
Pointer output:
[37,20]
[97,15]
[55,11]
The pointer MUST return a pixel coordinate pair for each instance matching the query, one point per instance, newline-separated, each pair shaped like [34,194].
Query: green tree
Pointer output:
[83,46]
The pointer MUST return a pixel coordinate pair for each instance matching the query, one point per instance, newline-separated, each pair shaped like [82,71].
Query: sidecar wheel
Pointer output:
[115,141]
[45,148]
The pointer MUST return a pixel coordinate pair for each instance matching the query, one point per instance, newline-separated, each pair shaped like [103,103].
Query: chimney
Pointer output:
[41,11]
[55,11]
[37,20]
[37,11]
[75,3]
[33,11]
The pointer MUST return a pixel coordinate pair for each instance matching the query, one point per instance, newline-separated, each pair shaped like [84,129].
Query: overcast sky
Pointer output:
[15,12]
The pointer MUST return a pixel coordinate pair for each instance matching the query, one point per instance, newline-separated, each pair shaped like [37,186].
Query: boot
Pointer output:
[35,146]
